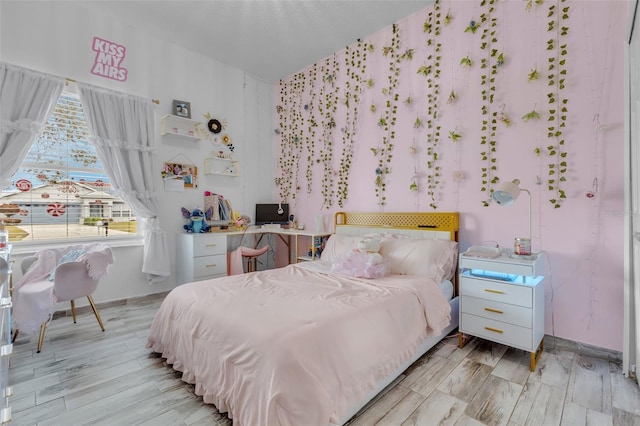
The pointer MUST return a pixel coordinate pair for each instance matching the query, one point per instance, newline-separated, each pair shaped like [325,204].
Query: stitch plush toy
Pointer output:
[197,223]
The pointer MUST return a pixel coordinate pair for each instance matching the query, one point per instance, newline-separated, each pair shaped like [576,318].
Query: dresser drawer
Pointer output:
[208,266]
[504,312]
[497,331]
[496,291]
[207,245]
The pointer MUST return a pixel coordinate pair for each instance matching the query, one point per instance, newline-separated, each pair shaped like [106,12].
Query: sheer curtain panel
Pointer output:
[122,128]
[27,99]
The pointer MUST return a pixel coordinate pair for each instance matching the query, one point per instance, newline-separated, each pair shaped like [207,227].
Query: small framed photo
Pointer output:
[182,108]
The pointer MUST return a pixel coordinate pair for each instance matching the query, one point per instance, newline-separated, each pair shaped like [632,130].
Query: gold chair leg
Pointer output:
[43,328]
[95,311]
[73,311]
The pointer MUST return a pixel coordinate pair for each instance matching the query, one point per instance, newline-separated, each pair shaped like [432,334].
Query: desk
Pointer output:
[204,256]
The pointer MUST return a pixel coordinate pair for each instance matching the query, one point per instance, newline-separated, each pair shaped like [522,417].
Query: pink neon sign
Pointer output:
[109,57]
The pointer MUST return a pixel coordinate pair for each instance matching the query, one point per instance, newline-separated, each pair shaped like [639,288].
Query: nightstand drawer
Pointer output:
[504,312]
[209,244]
[496,291]
[209,265]
[497,331]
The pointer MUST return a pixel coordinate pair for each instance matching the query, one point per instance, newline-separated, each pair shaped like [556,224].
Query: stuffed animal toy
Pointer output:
[365,262]
[197,223]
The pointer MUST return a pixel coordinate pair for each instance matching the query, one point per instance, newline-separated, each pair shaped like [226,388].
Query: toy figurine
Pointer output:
[197,220]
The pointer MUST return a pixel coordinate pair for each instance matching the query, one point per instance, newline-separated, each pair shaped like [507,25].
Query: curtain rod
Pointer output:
[70,80]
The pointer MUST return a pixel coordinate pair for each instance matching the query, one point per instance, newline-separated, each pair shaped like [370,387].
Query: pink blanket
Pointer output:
[290,346]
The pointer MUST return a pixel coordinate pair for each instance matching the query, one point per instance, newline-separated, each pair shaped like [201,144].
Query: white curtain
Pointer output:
[123,131]
[27,99]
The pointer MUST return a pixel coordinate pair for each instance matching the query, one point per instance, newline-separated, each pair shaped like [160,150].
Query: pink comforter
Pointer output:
[290,346]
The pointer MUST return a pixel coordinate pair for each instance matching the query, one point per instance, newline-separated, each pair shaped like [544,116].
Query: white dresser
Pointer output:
[502,300]
[200,257]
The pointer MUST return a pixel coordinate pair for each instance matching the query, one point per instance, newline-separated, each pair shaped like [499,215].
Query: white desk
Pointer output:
[204,256]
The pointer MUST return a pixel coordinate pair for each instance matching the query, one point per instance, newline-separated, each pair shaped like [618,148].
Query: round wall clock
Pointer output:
[214,126]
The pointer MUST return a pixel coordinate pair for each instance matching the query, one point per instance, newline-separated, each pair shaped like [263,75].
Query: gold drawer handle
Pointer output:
[495,311]
[212,266]
[211,245]
[493,291]
[494,329]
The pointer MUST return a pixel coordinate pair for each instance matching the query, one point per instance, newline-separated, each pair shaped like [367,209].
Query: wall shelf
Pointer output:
[221,166]
[179,127]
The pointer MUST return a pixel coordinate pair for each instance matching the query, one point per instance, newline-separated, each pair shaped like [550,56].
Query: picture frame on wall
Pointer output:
[187,173]
[182,108]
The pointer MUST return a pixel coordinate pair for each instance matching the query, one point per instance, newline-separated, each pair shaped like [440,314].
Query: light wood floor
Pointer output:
[85,376]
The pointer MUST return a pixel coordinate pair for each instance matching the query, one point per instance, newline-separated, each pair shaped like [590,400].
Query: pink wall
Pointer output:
[583,238]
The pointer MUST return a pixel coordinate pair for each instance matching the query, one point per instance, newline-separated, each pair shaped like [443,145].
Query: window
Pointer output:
[61,191]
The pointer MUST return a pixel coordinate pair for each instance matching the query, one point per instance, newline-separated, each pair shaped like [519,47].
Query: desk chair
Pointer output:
[252,256]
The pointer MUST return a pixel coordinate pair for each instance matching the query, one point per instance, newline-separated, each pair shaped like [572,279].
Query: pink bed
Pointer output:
[297,345]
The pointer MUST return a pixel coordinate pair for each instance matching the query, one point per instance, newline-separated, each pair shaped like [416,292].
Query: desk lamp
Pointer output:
[506,194]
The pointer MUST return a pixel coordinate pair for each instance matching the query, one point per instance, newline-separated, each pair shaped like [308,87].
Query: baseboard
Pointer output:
[122,302]
[552,342]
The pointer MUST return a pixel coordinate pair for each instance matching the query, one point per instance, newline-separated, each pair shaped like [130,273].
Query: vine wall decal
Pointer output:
[387,121]
[557,122]
[433,27]
[489,67]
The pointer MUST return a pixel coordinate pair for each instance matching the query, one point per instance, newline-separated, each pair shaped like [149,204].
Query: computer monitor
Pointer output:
[272,213]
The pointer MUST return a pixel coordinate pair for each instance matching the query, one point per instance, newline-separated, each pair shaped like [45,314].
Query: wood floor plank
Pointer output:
[463,381]
[539,404]
[554,369]
[596,418]
[402,410]
[590,384]
[625,393]
[89,413]
[487,352]
[440,409]
[377,411]
[513,366]
[429,375]
[494,401]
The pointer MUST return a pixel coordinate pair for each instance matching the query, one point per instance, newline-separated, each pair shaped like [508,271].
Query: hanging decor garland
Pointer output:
[286,159]
[355,69]
[312,125]
[432,27]
[387,121]
[489,65]
[557,73]
[328,105]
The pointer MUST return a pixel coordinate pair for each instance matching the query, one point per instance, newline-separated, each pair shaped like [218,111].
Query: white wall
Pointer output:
[56,37]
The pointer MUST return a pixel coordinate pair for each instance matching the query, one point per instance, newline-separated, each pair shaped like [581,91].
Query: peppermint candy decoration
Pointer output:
[56,209]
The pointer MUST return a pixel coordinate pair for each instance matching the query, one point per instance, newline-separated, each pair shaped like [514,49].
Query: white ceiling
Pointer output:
[270,39]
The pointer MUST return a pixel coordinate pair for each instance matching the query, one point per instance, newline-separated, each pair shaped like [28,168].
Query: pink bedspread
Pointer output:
[290,346]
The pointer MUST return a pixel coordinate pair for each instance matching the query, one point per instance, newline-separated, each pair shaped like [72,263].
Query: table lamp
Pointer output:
[506,194]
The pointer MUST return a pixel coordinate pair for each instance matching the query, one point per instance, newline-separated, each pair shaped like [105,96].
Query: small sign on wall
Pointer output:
[108,60]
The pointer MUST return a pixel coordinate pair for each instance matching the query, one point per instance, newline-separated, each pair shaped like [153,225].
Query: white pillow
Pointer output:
[430,258]
[339,246]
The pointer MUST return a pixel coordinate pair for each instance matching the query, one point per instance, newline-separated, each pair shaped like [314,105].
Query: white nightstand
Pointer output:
[502,300]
